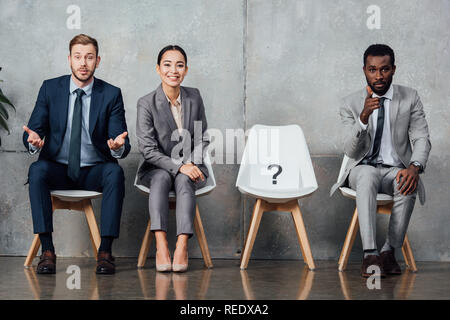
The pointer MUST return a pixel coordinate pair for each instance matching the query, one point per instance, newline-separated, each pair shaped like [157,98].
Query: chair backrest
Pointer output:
[283,146]
[343,165]
[209,186]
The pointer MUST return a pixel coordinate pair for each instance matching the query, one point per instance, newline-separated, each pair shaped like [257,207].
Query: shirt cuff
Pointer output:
[363,126]
[32,149]
[118,153]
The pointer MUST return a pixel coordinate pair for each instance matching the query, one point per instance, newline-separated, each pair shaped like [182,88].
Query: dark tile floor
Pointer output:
[264,279]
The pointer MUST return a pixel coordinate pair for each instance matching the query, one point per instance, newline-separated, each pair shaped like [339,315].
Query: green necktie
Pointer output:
[73,169]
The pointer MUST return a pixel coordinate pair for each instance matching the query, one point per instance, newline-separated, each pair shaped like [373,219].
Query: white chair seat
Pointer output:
[382,198]
[75,195]
[273,197]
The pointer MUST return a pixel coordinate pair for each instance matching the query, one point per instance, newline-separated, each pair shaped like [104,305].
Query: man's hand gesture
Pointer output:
[118,142]
[370,104]
[34,138]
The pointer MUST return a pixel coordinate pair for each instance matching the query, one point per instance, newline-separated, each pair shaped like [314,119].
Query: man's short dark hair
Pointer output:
[378,50]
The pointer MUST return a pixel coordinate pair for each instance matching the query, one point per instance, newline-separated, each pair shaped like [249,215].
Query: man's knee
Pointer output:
[38,171]
[113,173]
[399,195]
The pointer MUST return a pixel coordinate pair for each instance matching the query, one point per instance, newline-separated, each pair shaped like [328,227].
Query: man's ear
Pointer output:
[98,61]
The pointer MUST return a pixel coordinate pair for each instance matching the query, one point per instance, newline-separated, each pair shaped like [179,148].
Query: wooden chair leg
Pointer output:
[92,223]
[145,246]
[405,256]
[408,254]
[251,235]
[303,237]
[349,240]
[200,232]
[32,252]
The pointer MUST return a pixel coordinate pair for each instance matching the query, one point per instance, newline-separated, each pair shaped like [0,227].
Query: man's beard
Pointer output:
[377,91]
[88,76]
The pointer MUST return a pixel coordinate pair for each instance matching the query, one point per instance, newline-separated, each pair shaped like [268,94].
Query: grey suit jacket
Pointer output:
[157,134]
[409,130]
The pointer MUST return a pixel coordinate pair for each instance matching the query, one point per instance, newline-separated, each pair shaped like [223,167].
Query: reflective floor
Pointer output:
[264,279]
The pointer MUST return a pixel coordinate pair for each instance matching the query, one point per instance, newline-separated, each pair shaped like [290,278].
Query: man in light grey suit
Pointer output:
[386,138]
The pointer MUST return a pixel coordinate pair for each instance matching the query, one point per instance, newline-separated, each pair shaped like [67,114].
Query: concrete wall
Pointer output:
[268,62]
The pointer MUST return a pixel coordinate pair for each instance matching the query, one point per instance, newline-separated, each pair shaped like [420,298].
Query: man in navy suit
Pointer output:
[78,126]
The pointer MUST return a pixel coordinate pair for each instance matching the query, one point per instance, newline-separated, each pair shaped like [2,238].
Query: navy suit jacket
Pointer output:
[106,117]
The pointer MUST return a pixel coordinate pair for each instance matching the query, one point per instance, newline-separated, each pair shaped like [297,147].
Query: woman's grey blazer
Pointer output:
[159,141]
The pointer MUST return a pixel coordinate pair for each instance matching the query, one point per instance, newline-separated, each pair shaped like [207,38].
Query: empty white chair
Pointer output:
[276,169]
[79,200]
[384,205]
[198,226]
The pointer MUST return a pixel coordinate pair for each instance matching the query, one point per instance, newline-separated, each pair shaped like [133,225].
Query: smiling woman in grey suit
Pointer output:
[170,129]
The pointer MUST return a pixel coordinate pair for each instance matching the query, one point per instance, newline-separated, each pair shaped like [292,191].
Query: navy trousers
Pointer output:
[108,178]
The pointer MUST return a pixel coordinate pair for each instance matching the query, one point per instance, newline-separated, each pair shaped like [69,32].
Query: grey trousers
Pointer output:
[160,183]
[367,181]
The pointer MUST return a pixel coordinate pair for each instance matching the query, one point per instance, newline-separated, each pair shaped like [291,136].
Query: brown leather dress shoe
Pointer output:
[105,263]
[47,263]
[371,260]
[390,265]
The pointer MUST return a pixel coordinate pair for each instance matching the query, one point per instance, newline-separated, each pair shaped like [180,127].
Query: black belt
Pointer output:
[375,165]
[383,165]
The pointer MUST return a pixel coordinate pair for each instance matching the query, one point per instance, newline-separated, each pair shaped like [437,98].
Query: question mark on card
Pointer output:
[274,177]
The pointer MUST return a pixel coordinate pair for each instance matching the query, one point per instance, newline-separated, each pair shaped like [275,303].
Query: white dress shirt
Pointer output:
[387,154]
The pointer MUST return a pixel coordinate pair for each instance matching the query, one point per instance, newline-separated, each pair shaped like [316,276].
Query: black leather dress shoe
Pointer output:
[372,260]
[105,263]
[47,263]
[390,265]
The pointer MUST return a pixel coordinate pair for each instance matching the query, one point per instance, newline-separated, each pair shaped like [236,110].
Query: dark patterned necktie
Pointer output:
[372,159]
[73,169]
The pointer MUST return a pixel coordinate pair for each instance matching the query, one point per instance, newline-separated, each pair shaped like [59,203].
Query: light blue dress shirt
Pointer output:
[89,154]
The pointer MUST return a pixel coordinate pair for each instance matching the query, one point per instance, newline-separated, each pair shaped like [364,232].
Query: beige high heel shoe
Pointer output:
[165,267]
[180,267]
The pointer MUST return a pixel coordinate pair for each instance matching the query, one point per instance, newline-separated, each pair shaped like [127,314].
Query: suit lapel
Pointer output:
[96,104]
[186,103]
[394,106]
[63,103]
[164,107]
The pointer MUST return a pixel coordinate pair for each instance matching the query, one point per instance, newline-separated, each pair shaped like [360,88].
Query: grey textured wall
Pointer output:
[268,62]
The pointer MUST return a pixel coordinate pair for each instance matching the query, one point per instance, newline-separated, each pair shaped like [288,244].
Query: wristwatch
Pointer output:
[418,165]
